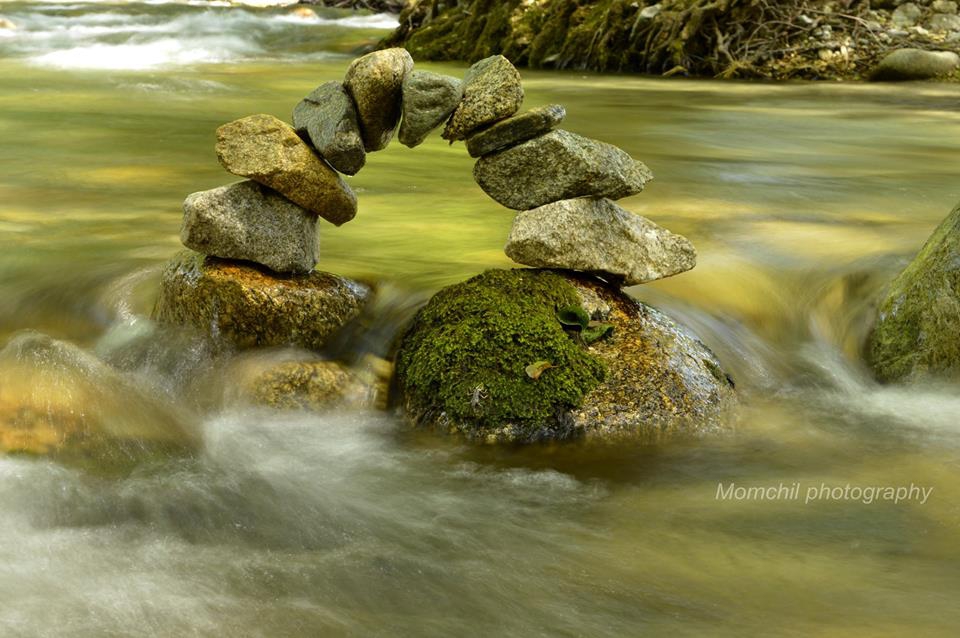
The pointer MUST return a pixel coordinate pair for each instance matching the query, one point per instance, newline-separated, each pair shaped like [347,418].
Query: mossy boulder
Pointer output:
[917,332]
[492,360]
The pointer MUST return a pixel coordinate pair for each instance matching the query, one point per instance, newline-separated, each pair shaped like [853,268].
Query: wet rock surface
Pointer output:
[247,307]
[375,82]
[914,64]
[428,100]
[328,118]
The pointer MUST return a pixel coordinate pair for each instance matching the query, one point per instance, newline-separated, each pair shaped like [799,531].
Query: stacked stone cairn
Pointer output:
[251,279]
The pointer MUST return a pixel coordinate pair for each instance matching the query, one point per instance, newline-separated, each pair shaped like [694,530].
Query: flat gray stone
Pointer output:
[428,100]
[375,82]
[914,64]
[595,235]
[491,92]
[251,222]
[516,129]
[559,165]
[328,117]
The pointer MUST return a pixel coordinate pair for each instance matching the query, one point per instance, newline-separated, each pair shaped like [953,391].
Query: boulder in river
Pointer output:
[559,165]
[530,355]
[247,306]
[61,401]
[491,92]
[516,129]
[328,118]
[428,100]
[266,150]
[914,64]
[917,332]
[375,82]
[251,222]
[595,235]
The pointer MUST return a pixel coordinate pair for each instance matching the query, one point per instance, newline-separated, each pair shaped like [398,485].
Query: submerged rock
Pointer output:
[495,359]
[914,64]
[516,129]
[917,332]
[266,150]
[491,92]
[249,221]
[595,235]
[329,119]
[559,165]
[248,307]
[428,100]
[375,82]
[59,400]
[295,381]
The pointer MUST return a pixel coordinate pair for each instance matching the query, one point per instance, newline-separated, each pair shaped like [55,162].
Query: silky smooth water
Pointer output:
[802,199]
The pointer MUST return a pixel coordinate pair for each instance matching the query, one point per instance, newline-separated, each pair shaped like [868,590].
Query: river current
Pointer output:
[803,201]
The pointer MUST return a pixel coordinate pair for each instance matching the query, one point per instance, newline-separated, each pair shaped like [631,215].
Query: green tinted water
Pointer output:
[802,200]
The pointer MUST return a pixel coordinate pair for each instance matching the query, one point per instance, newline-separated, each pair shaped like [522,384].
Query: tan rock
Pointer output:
[491,92]
[248,306]
[375,82]
[269,151]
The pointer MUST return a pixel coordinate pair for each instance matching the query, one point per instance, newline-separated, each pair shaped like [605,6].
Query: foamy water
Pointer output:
[155,35]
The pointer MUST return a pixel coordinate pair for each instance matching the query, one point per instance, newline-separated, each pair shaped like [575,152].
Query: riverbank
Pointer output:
[795,39]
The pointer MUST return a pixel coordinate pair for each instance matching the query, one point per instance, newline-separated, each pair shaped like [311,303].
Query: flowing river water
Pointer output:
[803,200]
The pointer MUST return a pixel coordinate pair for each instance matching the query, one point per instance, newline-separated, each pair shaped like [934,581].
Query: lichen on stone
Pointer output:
[466,354]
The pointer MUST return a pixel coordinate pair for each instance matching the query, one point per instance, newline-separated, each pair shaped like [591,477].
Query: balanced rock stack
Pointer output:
[251,279]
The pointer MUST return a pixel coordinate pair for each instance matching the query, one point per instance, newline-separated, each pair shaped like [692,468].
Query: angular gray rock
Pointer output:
[559,165]
[491,92]
[264,149]
[328,117]
[251,222]
[595,235]
[914,64]
[375,82]
[242,304]
[428,100]
[516,129]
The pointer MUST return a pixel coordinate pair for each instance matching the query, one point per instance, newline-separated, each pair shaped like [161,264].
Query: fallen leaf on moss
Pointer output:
[535,369]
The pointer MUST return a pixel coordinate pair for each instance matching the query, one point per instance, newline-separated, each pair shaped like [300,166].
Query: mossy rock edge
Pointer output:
[462,365]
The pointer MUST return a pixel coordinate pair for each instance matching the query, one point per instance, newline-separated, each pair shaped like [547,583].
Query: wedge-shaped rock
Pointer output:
[559,165]
[264,149]
[491,92]
[917,333]
[428,100]
[328,117]
[375,82]
[597,236]
[248,307]
[516,129]
[249,221]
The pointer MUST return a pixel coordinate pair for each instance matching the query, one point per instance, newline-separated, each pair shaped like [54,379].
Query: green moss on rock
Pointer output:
[465,356]
[918,325]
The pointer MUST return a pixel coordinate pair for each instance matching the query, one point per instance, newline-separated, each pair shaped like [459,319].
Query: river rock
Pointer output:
[251,222]
[944,22]
[264,149]
[61,401]
[595,235]
[914,64]
[490,360]
[917,332]
[491,92]
[375,82]
[428,100]
[944,6]
[292,380]
[516,129]
[906,15]
[246,306]
[7,24]
[559,165]
[329,119]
